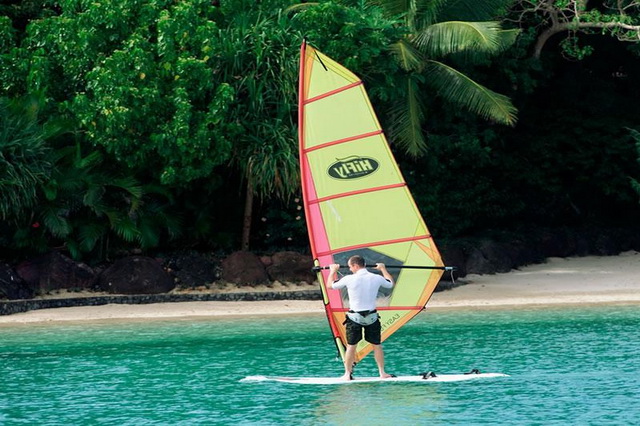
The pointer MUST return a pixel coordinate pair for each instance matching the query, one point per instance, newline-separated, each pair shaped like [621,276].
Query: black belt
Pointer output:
[363,313]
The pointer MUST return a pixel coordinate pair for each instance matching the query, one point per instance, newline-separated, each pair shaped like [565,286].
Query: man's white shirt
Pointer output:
[363,289]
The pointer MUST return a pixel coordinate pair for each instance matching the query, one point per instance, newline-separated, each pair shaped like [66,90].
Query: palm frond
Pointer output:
[408,57]
[472,10]
[123,226]
[128,184]
[89,235]
[508,37]
[451,37]
[300,6]
[56,224]
[455,87]
[417,13]
[407,119]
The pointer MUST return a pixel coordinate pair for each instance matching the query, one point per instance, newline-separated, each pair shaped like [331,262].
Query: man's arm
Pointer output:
[333,272]
[382,268]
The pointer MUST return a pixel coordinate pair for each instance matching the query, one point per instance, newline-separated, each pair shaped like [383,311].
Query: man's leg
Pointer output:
[378,354]
[349,356]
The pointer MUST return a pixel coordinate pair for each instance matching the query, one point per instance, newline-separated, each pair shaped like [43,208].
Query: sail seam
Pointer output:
[358,192]
[333,92]
[339,141]
[374,244]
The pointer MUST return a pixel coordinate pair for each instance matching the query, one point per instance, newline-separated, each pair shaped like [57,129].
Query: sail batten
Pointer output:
[339,141]
[361,191]
[355,198]
[333,92]
[374,244]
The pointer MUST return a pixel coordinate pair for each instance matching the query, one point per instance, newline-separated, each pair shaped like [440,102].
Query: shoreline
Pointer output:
[590,280]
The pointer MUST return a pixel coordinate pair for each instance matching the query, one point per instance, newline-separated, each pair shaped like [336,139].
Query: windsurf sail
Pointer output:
[355,198]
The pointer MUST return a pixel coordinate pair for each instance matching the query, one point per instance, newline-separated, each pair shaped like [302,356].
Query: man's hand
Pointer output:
[382,268]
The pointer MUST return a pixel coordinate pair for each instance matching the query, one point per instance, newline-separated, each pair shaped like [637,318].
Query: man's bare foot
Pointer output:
[347,377]
[387,376]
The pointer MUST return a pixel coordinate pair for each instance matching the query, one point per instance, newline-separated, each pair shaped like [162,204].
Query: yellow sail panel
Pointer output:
[335,77]
[356,200]
[337,163]
[371,222]
[345,121]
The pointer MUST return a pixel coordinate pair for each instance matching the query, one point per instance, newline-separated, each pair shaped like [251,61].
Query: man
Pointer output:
[362,287]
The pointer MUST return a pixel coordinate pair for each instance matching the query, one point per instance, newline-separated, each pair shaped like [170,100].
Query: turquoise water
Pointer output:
[566,366]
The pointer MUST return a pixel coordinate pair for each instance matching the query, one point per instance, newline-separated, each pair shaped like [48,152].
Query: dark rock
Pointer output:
[12,286]
[136,275]
[556,243]
[454,255]
[488,258]
[244,268]
[524,254]
[605,245]
[54,271]
[193,269]
[289,266]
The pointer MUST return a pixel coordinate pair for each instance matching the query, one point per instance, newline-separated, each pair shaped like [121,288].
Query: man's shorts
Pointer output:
[371,332]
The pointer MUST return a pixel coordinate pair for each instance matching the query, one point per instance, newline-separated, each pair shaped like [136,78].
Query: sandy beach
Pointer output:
[570,281]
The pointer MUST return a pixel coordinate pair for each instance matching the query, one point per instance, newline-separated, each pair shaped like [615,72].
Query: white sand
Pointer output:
[581,280]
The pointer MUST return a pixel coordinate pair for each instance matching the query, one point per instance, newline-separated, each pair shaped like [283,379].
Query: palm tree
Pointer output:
[257,58]
[434,41]
[24,155]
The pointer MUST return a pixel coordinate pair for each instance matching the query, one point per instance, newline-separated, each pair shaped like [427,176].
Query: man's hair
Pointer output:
[357,260]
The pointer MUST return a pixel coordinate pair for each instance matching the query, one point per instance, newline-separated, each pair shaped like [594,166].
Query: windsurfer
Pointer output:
[362,287]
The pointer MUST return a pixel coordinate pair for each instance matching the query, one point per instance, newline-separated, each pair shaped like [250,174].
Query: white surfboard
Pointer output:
[338,381]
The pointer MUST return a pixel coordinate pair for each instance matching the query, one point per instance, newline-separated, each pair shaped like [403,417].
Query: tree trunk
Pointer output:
[248,214]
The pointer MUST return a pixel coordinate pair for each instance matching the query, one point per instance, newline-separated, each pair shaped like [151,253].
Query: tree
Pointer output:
[616,18]
[153,100]
[435,42]
[24,155]
[258,57]
[425,48]
[635,184]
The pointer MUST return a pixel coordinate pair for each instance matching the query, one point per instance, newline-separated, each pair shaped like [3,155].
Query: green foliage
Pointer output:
[173,106]
[258,56]
[635,184]
[577,20]
[425,48]
[462,175]
[155,100]
[282,226]
[88,209]
[24,156]
[573,50]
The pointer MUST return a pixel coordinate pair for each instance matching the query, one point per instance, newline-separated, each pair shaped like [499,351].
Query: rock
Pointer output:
[290,266]
[489,257]
[12,286]
[55,271]
[136,275]
[193,269]
[453,255]
[266,261]
[244,268]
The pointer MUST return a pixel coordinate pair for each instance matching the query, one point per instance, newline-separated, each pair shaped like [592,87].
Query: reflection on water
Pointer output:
[379,403]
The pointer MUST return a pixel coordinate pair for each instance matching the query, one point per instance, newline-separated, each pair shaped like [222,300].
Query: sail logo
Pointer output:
[352,167]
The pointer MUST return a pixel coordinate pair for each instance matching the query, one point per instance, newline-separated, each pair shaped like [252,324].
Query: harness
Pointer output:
[363,317]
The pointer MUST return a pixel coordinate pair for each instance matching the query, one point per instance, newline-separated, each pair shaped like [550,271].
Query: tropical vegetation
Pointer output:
[145,125]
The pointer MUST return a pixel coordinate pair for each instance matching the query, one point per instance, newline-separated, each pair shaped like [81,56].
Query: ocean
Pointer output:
[566,366]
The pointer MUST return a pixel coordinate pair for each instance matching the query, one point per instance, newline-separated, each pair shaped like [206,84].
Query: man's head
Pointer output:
[356,262]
